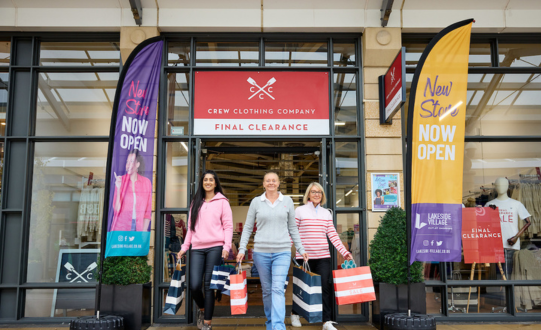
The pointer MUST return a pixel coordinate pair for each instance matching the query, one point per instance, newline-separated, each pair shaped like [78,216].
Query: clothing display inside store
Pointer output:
[174,232]
[90,214]
[520,214]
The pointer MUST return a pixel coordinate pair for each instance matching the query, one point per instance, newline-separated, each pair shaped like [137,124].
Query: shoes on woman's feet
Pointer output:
[329,325]
[200,319]
[295,321]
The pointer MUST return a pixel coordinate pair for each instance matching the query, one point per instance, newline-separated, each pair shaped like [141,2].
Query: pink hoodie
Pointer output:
[214,226]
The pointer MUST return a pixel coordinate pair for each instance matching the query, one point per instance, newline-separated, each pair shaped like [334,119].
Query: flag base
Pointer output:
[401,321]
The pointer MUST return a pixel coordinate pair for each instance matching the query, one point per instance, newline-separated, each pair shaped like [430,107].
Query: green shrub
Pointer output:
[126,270]
[388,251]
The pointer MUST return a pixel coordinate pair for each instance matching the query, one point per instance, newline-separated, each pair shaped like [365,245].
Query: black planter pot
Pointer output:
[133,302]
[391,298]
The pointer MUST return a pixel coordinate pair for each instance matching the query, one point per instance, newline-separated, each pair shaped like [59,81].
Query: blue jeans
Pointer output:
[273,268]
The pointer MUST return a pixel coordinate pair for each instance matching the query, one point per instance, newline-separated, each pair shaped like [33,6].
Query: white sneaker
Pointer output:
[329,325]
[295,321]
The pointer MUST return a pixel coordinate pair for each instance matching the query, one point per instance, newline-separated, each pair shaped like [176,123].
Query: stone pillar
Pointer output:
[383,142]
[130,37]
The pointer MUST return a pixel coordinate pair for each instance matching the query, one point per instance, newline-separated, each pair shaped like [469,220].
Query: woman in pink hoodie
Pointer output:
[210,232]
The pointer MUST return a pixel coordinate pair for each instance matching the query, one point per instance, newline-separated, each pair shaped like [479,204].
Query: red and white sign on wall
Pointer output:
[261,103]
[392,87]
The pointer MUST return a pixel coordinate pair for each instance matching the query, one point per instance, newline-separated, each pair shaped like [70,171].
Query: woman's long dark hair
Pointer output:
[199,197]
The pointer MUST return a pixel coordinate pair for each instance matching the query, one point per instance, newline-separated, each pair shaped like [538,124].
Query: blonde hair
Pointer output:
[307,194]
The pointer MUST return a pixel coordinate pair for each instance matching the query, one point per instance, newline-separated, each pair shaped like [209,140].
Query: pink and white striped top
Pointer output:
[314,227]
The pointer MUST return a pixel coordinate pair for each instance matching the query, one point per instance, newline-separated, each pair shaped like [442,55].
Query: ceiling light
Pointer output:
[184,145]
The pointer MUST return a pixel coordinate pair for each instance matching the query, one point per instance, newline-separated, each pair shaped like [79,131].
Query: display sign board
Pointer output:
[131,173]
[436,120]
[392,88]
[261,103]
[385,191]
[75,266]
[482,235]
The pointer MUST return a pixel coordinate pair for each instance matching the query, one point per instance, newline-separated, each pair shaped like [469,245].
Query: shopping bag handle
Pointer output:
[306,266]
[239,267]
[295,262]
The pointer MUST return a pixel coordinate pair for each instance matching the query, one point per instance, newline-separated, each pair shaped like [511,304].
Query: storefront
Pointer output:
[56,95]
[68,104]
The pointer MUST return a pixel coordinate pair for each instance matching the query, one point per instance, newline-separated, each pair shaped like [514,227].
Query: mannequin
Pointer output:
[510,210]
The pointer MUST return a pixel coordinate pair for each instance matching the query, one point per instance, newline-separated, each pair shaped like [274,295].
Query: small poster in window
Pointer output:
[385,191]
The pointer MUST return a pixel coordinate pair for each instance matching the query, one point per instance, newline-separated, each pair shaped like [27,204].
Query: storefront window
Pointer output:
[80,53]
[178,103]
[53,303]
[431,271]
[176,175]
[67,205]
[5,50]
[296,54]
[4,82]
[345,104]
[347,227]
[433,300]
[227,53]
[75,103]
[476,299]
[178,54]
[516,164]
[347,176]
[479,54]
[175,227]
[343,54]
[181,311]
[504,104]
[526,298]
[516,55]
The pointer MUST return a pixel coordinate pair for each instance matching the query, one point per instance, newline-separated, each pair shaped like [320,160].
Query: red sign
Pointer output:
[394,87]
[261,103]
[482,235]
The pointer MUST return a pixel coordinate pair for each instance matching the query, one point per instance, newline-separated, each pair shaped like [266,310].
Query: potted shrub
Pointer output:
[126,290]
[388,263]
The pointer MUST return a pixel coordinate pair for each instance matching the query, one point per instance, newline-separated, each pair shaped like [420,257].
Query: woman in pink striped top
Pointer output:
[316,224]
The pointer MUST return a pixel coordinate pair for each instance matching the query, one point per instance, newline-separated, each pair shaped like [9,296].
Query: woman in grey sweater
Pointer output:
[274,215]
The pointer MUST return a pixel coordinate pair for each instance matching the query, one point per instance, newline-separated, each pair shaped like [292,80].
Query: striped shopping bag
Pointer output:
[239,292]
[307,294]
[175,294]
[220,275]
[353,285]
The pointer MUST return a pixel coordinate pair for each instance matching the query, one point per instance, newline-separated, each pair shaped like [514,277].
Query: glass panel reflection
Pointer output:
[75,103]
[227,53]
[80,53]
[52,303]
[520,55]
[67,203]
[343,54]
[178,54]
[4,81]
[5,50]
[347,227]
[176,175]
[178,103]
[347,178]
[433,300]
[175,226]
[345,104]
[476,299]
[504,104]
[479,54]
[181,311]
[296,54]
[528,298]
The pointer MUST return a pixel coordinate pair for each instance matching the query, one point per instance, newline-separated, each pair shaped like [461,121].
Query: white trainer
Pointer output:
[296,321]
[329,325]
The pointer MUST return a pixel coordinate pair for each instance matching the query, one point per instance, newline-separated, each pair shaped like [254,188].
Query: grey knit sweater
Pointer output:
[274,226]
